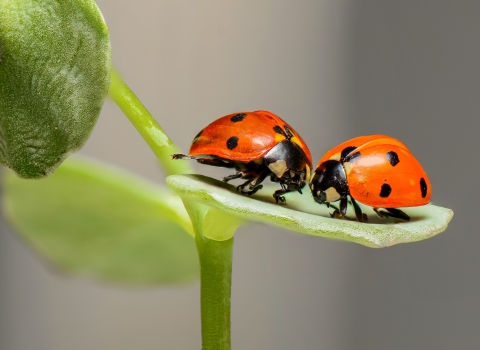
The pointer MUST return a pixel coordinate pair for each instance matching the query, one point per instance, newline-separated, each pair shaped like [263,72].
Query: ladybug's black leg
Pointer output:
[245,184]
[340,213]
[232,177]
[397,213]
[393,213]
[380,213]
[358,210]
[278,195]
[287,187]
[254,184]
[343,206]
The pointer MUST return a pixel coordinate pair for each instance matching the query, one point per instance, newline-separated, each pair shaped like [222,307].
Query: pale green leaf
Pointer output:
[300,213]
[93,220]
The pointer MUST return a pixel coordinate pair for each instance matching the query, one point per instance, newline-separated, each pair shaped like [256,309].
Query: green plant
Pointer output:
[54,75]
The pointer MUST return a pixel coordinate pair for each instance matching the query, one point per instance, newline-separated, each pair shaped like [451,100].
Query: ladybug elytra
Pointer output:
[376,170]
[257,145]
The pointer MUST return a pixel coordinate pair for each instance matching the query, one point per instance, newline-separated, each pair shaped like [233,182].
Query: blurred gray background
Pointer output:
[334,70]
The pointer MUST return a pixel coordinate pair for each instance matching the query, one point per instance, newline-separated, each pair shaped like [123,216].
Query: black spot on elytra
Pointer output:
[354,156]
[392,157]
[232,142]
[346,151]
[423,187]
[385,191]
[279,130]
[238,117]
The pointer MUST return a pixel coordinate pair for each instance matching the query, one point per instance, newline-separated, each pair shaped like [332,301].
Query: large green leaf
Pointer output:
[54,77]
[92,220]
[301,213]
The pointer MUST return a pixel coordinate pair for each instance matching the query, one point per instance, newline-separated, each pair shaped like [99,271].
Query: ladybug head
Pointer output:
[329,182]
[288,163]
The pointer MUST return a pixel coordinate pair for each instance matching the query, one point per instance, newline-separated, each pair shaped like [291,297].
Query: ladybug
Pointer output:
[376,170]
[257,145]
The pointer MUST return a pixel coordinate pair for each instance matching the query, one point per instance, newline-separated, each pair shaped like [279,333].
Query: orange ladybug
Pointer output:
[257,144]
[376,170]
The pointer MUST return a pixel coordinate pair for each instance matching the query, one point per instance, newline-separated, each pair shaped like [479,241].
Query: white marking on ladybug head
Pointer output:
[278,168]
[336,156]
[332,195]
[348,167]
[307,173]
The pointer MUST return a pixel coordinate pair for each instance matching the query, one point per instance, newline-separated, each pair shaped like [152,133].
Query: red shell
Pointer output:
[373,174]
[255,133]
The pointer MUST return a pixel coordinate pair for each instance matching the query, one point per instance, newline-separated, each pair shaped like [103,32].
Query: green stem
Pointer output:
[147,126]
[215,256]
[216,282]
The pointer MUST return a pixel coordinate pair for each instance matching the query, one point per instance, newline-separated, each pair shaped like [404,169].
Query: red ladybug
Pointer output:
[257,144]
[376,170]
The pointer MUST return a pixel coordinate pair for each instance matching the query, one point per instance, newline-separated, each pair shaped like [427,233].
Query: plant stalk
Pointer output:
[215,256]
[146,125]
[215,286]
